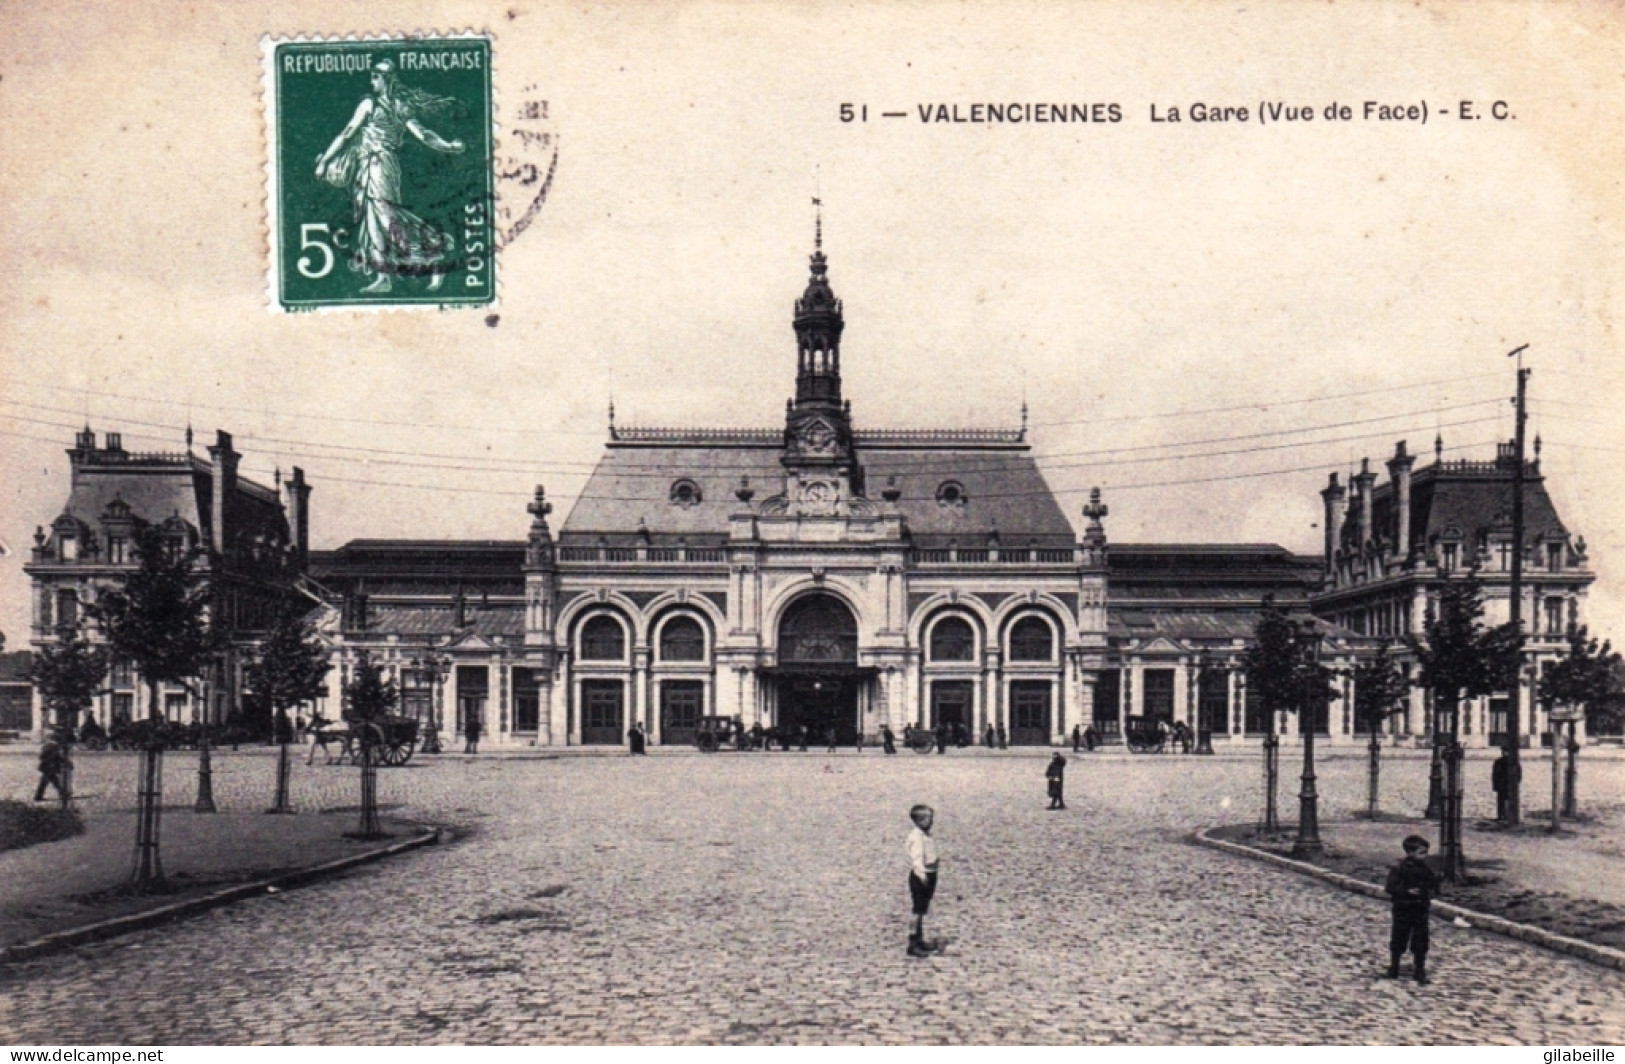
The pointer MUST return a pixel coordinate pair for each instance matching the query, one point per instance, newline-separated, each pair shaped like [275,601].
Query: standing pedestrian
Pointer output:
[1056,774]
[857,741]
[988,739]
[1090,738]
[1503,774]
[829,737]
[801,734]
[1077,737]
[1412,885]
[922,876]
[1004,740]
[471,735]
[942,737]
[888,740]
[53,760]
[636,741]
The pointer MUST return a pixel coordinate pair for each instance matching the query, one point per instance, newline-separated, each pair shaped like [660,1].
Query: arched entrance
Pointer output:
[818,675]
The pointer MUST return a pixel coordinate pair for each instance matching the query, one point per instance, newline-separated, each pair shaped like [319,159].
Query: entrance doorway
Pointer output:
[1029,713]
[682,702]
[603,718]
[951,702]
[819,675]
[820,702]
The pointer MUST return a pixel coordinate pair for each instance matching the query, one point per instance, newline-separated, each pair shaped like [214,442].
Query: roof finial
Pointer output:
[188,438]
[1438,447]
[612,417]
[818,225]
[1024,417]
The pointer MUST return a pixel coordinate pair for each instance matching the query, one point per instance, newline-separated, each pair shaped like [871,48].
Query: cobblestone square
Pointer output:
[761,899]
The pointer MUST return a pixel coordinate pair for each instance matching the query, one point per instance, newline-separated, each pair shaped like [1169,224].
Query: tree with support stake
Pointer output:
[1458,658]
[368,701]
[287,670]
[1380,690]
[157,618]
[1278,674]
[1585,682]
[67,674]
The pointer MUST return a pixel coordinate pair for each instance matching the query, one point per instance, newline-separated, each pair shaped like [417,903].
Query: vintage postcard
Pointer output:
[762,523]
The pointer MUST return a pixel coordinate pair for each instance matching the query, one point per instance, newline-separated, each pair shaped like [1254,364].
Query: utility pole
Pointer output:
[1515,695]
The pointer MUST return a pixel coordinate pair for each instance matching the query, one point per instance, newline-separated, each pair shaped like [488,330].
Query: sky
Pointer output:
[1203,318]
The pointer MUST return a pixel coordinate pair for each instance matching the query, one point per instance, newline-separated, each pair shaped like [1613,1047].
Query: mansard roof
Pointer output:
[421,566]
[1466,497]
[1001,488]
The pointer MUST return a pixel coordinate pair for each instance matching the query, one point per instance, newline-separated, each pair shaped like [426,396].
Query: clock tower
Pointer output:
[822,475]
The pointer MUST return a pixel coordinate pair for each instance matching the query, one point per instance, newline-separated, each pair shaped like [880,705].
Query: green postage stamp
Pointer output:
[380,186]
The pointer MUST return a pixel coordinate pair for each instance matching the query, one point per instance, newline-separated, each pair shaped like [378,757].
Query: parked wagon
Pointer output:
[720,733]
[393,740]
[1145,735]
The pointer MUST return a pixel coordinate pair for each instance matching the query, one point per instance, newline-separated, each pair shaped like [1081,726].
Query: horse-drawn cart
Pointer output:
[392,739]
[1145,735]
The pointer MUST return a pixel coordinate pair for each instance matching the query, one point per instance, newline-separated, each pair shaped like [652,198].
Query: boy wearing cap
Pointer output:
[1412,885]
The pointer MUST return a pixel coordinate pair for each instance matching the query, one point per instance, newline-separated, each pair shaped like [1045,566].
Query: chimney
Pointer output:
[1333,495]
[299,515]
[1399,472]
[224,478]
[1362,484]
[115,441]
[84,444]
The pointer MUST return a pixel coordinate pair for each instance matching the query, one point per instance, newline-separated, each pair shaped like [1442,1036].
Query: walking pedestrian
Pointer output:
[471,735]
[1412,885]
[888,740]
[1077,737]
[1056,774]
[1004,740]
[922,876]
[53,759]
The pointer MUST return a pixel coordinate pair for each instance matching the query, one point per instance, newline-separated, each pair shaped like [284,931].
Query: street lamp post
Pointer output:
[433,668]
[1455,863]
[1436,770]
[1207,667]
[1308,843]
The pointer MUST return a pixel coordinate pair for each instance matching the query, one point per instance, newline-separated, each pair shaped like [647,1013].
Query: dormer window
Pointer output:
[685,493]
[1503,556]
[1554,557]
[1449,554]
[951,493]
[68,548]
[118,550]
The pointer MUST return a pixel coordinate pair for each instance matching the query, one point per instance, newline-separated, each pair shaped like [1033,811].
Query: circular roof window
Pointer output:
[950,493]
[685,493]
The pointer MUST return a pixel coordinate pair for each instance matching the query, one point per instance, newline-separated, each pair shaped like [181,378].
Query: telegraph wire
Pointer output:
[1094,457]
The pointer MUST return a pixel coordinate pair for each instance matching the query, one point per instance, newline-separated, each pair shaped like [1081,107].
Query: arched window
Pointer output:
[682,639]
[818,629]
[953,640]
[1032,640]
[603,639]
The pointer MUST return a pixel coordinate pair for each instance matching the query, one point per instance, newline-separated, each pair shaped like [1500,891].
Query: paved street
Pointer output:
[743,898]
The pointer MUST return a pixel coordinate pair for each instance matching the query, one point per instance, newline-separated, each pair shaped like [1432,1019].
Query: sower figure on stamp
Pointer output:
[922,877]
[1412,885]
[365,158]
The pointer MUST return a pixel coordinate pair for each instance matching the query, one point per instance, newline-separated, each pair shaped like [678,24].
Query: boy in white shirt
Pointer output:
[922,875]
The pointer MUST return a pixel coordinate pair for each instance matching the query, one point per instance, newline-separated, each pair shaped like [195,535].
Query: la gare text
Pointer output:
[1367,110]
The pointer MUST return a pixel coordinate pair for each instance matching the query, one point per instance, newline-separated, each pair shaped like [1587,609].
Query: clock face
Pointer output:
[818,491]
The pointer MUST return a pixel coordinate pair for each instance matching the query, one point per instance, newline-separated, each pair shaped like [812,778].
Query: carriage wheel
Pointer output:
[395,753]
[707,742]
[403,751]
[923,743]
